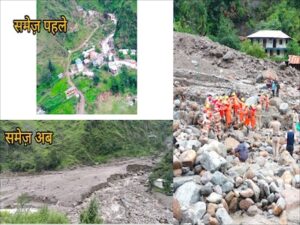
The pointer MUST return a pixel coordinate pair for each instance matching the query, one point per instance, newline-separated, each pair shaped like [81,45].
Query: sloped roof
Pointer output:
[294,59]
[269,34]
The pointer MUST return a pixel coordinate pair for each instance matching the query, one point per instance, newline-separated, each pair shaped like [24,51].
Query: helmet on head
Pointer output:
[243,99]
[233,94]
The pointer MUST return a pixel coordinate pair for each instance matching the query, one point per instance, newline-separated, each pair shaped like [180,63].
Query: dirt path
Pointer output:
[81,104]
[69,191]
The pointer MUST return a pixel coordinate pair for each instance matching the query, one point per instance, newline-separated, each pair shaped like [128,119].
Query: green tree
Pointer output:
[96,80]
[293,48]
[254,49]
[51,67]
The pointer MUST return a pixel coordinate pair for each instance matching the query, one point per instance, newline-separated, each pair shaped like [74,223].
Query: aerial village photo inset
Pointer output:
[92,68]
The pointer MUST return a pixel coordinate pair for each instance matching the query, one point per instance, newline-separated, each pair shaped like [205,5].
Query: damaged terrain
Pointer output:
[121,188]
[211,186]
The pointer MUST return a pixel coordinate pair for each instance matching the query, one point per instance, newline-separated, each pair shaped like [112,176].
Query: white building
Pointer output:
[113,68]
[273,41]
[79,65]
[126,51]
[88,73]
[87,52]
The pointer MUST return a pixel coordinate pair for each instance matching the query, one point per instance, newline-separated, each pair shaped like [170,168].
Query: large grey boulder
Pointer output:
[194,213]
[283,108]
[211,161]
[188,193]
[218,178]
[223,217]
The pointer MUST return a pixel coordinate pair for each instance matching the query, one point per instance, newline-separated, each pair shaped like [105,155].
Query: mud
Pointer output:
[118,185]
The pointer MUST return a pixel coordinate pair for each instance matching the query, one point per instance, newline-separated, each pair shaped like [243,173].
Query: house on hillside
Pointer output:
[72,91]
[294,61]
[113,68]
[79,65]
[273,41]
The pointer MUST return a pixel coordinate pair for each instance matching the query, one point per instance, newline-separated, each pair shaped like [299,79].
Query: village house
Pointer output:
[126,51]
[88,73]
[113,68]
[294,61]
[61,75]
[72,91]
[79,65]
[273,41]
[87,52]
[86,61]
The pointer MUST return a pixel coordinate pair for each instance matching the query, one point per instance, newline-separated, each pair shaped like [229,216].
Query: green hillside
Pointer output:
[225,20]
[82,143]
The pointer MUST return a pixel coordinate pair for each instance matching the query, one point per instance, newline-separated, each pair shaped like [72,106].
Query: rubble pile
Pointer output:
[211,185]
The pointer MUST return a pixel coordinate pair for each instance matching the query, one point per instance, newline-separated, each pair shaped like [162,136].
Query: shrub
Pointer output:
[90,215]
[254,49]
[42,216]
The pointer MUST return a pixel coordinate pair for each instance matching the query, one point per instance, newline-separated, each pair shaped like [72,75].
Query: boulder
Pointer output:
[227,186]
[283,108]
[286,158]
[188,193]
[252,210]
[231,143]
[213,221]
[177,102]
[270,74]
[206,177]
[287,177]
[279,207]
[229,56]
[193,144]
[296,181]
[207,189]
[188,158]
[177,172]
[254,187]
[218,178]
[247,193]
[229,197]
[223,217]
[233,204]
[176,163]
[177,210]
[275,101]
[246,203]
[194,212]
[211,209]
[264,187]
[211,161]
[238,170]
[214,198]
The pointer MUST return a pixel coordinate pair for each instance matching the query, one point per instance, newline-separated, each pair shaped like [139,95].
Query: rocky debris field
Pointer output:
[118,187]
[211,186]
[202,66]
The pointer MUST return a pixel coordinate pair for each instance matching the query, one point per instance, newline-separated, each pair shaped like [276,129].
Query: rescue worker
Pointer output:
[267,102]
[217,124]
[228,115]
[253,116]
[262,101]
[259,115]
[235,103]
[242,109]
[275,126]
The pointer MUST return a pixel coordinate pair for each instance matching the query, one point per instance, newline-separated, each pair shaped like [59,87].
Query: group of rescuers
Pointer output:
[234,112]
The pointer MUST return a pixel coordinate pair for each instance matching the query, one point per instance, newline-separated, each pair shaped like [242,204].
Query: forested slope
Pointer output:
[82,143]
[225,20]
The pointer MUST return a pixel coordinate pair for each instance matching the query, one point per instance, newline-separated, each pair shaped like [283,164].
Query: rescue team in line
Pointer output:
[234,111]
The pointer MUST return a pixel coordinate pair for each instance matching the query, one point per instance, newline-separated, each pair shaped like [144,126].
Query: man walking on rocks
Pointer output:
[275,125]
[290,140]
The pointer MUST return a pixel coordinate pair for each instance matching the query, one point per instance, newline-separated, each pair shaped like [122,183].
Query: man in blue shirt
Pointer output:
[290,140]
[241,151]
